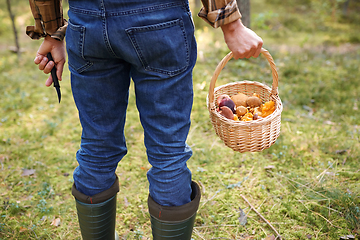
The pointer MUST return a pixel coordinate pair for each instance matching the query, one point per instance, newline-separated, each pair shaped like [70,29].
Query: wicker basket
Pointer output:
[251,136]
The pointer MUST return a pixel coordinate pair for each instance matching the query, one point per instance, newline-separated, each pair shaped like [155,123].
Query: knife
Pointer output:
[54,77]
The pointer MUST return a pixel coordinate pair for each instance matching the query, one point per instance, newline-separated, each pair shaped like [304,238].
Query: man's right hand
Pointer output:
[57,50]
[242,41]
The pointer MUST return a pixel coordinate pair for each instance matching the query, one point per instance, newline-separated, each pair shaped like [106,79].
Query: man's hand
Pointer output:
[242,41]
[57,50]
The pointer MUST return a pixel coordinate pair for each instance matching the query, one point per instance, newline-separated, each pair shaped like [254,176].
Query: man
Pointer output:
[110,42]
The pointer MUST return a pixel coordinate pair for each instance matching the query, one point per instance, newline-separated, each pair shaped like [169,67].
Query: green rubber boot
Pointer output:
[97,214]
[174,223]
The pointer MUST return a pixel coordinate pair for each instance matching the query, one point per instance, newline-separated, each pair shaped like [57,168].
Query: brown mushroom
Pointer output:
[253,102]
[241,111]
[239,99]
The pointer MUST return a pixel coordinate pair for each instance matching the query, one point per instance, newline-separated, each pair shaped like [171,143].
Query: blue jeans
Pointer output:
[110,42]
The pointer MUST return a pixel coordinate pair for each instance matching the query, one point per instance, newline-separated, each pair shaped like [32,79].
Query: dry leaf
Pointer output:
[55,222]
[341,151]
[269,167]
[270,237]
[126,202]
[22,229]
[28,172]
[242,218]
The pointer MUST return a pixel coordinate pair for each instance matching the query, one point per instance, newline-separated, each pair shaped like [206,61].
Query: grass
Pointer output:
[306,185]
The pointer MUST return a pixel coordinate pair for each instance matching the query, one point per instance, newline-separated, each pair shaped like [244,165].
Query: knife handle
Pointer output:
[53,71]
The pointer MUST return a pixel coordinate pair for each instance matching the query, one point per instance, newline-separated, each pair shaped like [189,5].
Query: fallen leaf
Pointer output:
[22,229]
[341,151]
[270,237]
[242,218]
[55,222]
[126,202]
[28,172]
[269,167]
[329,122]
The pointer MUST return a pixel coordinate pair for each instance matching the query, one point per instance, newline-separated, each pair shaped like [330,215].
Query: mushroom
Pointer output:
[227,112]
[228,103]
[257,111]
[253,102]
[247,117]
[220,98]
[241,111]
[239,99]
[256,116]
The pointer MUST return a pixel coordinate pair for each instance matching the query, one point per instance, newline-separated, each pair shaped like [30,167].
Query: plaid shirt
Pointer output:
[219,12]
[48,15]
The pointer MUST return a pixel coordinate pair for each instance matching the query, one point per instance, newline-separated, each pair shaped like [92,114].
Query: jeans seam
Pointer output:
[147,9]
[106,35]
[83,11]
[128,12]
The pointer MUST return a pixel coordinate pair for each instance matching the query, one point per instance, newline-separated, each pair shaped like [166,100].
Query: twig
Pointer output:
[321,175]
[220,238]
[325,219]
[202,187]
[318,232]
[199,235]
[261,216]
[219,225]
[211,198]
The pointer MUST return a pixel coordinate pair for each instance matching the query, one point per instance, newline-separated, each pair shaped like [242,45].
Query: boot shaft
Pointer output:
[97,221]
[97,214]
[174,223]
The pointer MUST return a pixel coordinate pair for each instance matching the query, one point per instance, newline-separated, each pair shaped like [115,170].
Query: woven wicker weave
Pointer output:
[251,136]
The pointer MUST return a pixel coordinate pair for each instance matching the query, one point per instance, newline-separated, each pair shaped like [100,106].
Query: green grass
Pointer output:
[306,184]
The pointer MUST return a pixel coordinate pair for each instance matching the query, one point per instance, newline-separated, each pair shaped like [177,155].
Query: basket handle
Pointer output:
[222,63]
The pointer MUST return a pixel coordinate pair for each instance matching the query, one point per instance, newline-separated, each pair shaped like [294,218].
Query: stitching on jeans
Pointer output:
[128,12]
[81,30]
[174,23]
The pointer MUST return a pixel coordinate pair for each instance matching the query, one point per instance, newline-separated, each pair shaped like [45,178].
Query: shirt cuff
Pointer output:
[218,17]
[36,33]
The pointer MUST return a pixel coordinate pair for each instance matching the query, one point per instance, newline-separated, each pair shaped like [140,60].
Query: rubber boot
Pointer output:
[97,214]
[174,223]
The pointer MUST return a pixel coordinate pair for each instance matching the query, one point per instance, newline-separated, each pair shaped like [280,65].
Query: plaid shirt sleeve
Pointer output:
[219,12]
[48,16]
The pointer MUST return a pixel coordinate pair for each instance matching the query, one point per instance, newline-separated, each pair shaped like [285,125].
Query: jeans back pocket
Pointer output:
[75,37]
[162,48]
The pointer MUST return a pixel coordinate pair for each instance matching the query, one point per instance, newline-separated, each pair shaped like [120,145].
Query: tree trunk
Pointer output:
[244,6]
[17,50]
[345,7]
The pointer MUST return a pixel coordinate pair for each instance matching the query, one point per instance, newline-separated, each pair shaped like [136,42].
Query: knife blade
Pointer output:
[54,77]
